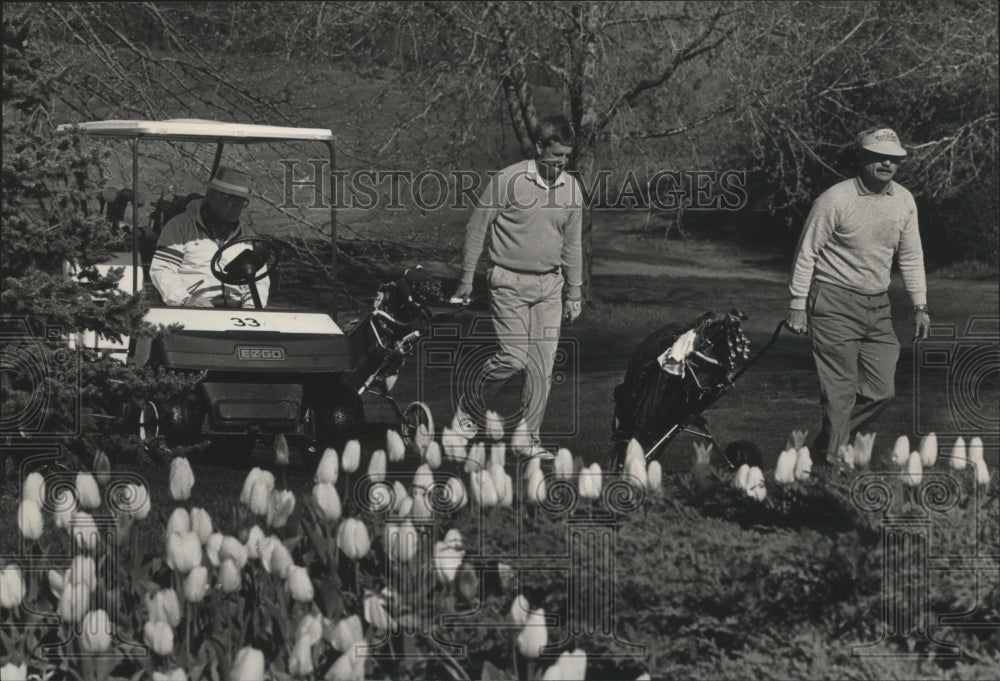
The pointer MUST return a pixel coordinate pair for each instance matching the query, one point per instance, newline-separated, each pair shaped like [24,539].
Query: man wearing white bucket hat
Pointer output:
[839,287]
[180,267]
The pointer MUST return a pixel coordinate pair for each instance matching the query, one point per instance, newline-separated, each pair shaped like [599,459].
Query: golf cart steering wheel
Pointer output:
[248,266]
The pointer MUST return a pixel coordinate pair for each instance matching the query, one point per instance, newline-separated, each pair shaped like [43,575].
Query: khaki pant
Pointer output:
[856,349]
[527,313]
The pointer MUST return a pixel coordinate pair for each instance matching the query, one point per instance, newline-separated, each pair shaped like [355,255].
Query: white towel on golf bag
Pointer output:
[672,361]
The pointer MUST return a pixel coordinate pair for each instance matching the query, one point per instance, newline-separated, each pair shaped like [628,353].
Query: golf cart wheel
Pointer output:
[231,451]
[338,416]
[415,415]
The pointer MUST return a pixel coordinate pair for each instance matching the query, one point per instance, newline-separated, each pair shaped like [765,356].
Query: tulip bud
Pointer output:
[57,581]
[377,613]
[928,450]
[96,634]
[87,492]
[212,548]
[982,472]
[377,466]
[803,464]
[248,483]
[863,443]
[177,674]
[432,455]
[74,602]
[102,467]
[279,558]
[179,521]
[165,607]
[534,636]
[229,576]
[519,610]
[84,531]
[159,636]
[901,451]
[134,499]
[401,540]
[446,562]
[476,459]
[501,481]
[83,570]
[784,470]
[635,466]
[456,493]
[280,504]
[260,492]
[310,628]
[740,480]
[756,489]
[590,482]
[520,441]
[353,539]
[563,465]
[201,524]
[958,456]
[14,671]
[654,477]
[248,665]
[299,585]
[394,446]
[240,553]
[11,587]
[914,470]
[453,444]
[345,633]
[536,490]
[420,507]
[300,663]
[181,479]
[422,438]
[498,455]
[494,426]
[797,439]
[327,501]
[34,488]
[847,456]
[196,584]
[329,467]
[975,449]
[29,520]
[423,479]
[352,456]
[183,551]
[571,666]
[282,455]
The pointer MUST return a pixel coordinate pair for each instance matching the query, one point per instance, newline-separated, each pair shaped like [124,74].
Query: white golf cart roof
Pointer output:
[197,130]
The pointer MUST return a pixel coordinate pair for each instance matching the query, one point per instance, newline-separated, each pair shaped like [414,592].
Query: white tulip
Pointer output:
[534,636]
[901,451]
[784,470]
[87,492]
[456,493]
[863,444]
[635,466]
[520,441]
[928,450]
[179,521]
[536,489]
[329,467]
[756,489]
[432,455]
[494,425]
[847,455]
[394,446]
[423,479]
[740,481]
[654,477]
[976,449]
[447,560]
[34,488]
[476,459]
[803,464]
[377,466]
[563,465]
[453,444]
[201,524]
[519,610]
[420,507]
[29,520]
[351,459]
[181,479]
[958,456]
[982,472]
[914,470]
[498,455]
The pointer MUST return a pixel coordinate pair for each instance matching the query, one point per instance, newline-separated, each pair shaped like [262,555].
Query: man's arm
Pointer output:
[911,266]
[815,234]
[164,267]
[486,210]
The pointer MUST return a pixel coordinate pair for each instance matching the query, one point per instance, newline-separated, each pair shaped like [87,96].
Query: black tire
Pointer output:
[338,415]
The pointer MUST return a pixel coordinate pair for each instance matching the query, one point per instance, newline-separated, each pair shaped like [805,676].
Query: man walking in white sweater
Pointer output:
[839,287]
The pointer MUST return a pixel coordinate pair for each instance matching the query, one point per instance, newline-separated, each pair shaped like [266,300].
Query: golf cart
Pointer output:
[259,371]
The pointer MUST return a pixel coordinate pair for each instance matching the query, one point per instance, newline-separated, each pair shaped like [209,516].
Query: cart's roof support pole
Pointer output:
[135,216]
[216,161]
[333,216]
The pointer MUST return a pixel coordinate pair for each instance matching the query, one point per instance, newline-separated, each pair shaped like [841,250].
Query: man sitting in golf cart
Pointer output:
[181,267]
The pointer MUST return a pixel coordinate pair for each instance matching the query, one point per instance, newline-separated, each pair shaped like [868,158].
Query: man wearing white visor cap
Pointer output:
[839,285]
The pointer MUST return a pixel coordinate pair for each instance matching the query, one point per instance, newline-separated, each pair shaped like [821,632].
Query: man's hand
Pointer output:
[572,310]
[463,292]
[797,321]
[203,300]
[921,323]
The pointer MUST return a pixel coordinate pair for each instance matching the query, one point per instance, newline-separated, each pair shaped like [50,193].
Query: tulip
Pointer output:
[654,477]
[164,607]
[327,501]
[181,479]
[453,444]
[159,636]
[423,479]
[282,456]
[401,540]
[928,450]
[201,524]
[702,454]
[276,557]
[11,587]
[280,504]
[329,467]
[377,466]
[519,610]
[299,585]
[863,443]
[484,491]
[83,570]
[784,470]
[352,456]
[353,539]
[797,439]
[494,425]
[29,520]
[901,451]
[343,669]
[179,521]
[563,465]
[183,551]
[87,492]
[982,472]
[248,665]
[177,674]
[394,446]
[14,672]
[420,507]
[803,464]
[248,483]
[423,438]
[135,500]
[102,467]
[64,506]
[57,581]
[74,602]
[847,455]
[447,560]
[635,465]
[399,497]
[239,553]
[534,636]
[958,456]
[644,677]
[756,489]
[456,493]
[229,576]
[84,531]
[500,480]
[571,666]
[520,441]
[590,482]
[507,499]
[377,613]
[498,455]
[740,481]
[914,470]
[975,449]
[535,487]
[300,663]
[345,633]
[196,584]
[432,455]
[212,548]
[260,493]
[310,628]
[476,460]
[34,488]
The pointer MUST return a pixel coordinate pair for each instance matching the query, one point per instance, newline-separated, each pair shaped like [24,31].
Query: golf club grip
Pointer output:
[752,360]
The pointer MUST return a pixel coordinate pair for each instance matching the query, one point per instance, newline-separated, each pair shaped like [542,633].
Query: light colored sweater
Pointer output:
[850,238]
[527,225]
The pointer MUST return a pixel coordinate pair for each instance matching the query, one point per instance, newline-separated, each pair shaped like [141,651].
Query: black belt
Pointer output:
[554,270]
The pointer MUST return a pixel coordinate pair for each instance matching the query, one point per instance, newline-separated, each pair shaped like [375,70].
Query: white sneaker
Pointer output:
[463,424]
